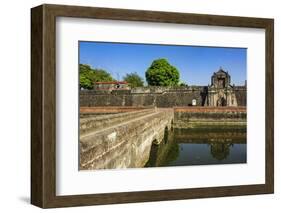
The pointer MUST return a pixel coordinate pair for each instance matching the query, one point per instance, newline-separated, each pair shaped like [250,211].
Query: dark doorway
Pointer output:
[221,101]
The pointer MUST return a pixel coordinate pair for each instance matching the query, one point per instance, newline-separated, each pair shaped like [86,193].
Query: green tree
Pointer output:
[101,75]
[134,80]
[182,84]
[85,82]
[88,76]
[161,73]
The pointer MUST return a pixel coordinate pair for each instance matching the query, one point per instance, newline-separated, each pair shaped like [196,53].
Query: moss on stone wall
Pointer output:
[153,96]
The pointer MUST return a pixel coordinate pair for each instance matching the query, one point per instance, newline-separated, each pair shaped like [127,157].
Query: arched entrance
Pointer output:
[221,101]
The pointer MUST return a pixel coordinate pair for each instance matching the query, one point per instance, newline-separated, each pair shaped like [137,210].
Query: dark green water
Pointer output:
[183,147]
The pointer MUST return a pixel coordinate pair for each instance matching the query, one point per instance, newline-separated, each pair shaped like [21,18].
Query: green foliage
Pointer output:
[134,80]
[161,73]
[89,76]
[182,84]
[85,82]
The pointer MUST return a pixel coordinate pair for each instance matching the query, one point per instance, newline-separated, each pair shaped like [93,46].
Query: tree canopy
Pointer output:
[134,80]
[161,73]
[88,76]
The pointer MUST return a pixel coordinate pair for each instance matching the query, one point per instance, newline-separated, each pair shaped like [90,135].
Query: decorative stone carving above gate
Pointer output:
[221,92]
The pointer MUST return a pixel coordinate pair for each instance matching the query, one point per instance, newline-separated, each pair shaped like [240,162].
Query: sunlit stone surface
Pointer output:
[162,137]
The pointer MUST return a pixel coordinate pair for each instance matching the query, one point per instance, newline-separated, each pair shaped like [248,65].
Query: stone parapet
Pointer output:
[202,117]
[126,144]
[98,122]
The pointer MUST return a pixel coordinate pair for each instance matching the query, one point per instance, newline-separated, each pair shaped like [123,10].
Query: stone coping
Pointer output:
[112,109]
[210,109]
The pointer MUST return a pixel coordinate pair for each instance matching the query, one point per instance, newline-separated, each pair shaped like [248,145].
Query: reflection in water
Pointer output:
[220,151]
[183,147]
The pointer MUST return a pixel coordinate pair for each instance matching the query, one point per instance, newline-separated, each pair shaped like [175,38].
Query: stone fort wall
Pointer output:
[241,95]
[153,96]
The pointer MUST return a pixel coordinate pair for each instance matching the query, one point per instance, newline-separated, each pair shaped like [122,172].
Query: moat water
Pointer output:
[183,147]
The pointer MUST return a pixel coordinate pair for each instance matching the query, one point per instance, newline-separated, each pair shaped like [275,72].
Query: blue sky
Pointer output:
[196,64]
